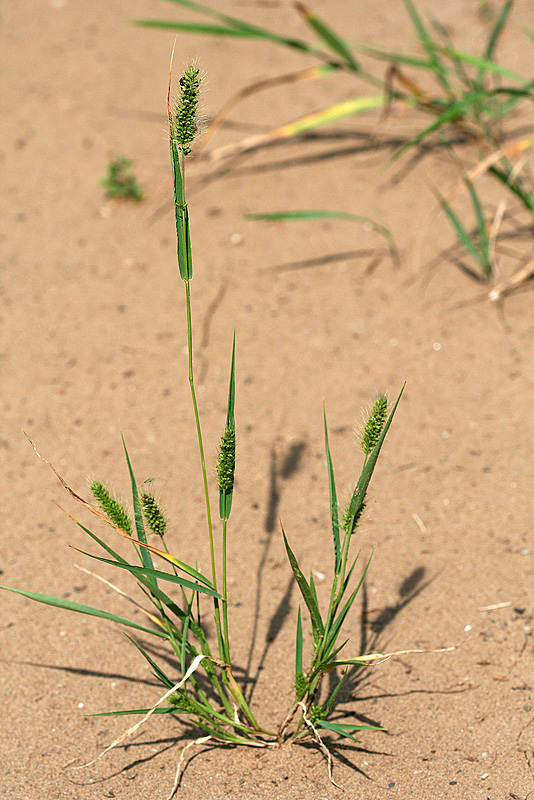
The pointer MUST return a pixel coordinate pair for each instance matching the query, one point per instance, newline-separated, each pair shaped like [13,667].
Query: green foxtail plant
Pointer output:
[204,691]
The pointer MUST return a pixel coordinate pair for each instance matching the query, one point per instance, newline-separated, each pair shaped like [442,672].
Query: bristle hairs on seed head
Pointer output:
[373,424]
[184,117]
[226,460]
[153,514]
[111,507]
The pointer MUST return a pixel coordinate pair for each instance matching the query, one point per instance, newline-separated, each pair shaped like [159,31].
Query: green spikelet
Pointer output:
[111,507]
[350,521]
[375,424]
[153,514]
[185,116]
[226,461]
[301,685]
[316,713]
[182,702]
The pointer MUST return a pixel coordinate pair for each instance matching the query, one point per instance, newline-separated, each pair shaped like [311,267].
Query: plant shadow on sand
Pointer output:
[372,633]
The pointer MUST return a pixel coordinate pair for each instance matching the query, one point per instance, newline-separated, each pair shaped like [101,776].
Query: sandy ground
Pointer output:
[92,344]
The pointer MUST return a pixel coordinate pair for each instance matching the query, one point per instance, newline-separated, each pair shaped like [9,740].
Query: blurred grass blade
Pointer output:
[329,37]
[454,112]
[463,235]
[307,594]
[513,185]
[497,29]
[483,64]
[334,514]
[394,58]
[190,27]
[484,241]
[68,605]
[437,65]
[346,108]
[153,574]
[308,214]
[231,26]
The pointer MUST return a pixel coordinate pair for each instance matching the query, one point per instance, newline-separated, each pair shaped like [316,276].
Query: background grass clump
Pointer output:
[456,98]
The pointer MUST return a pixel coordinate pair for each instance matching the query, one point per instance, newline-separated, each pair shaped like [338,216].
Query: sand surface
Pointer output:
[93,343]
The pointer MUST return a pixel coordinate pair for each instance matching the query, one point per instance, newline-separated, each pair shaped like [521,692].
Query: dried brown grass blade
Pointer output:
[194,666]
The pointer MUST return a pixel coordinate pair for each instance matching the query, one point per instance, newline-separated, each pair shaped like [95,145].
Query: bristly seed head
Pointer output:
[182,702]
[226,461]
[111,507]
[153,514]
[316,713]
[349,524]
[184,125]
[375,424]
[301,685]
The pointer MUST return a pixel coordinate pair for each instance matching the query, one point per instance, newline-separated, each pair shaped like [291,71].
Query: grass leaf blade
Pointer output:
[334,514]
[329,37]
[69,605]
[305,590]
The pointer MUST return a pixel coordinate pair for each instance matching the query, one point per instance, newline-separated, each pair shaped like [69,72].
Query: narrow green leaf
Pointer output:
[483,233]
[483,64]
[191,27]
[329,37]
[345,729]
[157,671]
[334,515]
[332,699]
[187,620]
[299,646]
[225,496]
[153,574]
[454,112]
[461,232]
[497,29]
[145,555]
[68,605]
[309,599]
[505,177]
[236,26]
[102,544]
[337,624]
[308,214]
[169,710]
[437,65]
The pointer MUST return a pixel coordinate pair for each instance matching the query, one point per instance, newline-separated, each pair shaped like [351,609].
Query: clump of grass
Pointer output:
[473,93]
[467,96]
[120,182]
[203,689]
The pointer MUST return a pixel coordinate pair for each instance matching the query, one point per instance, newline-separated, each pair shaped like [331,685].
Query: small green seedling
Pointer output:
[120,182]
